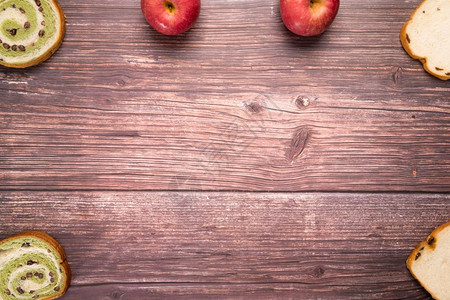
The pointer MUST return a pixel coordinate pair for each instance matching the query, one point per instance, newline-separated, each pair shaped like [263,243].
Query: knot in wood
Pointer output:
[318,272]
[397,75]
[254,107]
[302,101]
[298,143]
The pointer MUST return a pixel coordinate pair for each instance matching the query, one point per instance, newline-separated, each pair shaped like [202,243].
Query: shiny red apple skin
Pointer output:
[171,17]
[308,17]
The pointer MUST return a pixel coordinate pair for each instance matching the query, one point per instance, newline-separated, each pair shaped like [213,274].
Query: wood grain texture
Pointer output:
[237,103]
[139,245]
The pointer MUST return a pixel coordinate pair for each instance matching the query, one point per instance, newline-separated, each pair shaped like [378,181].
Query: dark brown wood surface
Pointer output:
[147,156]
[237,103]
[139,245]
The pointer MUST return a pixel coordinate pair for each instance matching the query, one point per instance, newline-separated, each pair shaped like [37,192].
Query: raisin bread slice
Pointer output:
[31,31]
[32,266]
[426,36]
[429,263]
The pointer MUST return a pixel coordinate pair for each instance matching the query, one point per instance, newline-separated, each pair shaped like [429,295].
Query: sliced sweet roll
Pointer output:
[32,266]
[30,31]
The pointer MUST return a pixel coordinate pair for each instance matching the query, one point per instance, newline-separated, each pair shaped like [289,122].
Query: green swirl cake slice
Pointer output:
[32,266]
[30,31]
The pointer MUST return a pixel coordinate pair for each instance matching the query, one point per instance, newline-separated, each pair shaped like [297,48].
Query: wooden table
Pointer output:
[235,161]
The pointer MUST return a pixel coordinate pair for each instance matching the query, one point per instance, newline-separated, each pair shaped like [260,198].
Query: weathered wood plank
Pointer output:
[238,103]
[234,291]
[334,246]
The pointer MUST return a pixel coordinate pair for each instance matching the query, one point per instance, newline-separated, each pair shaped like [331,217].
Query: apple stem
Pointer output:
[169,6]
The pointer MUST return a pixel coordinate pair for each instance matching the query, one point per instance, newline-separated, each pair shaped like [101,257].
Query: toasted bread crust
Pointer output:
[50,51]
[412,256]
[54,244]
[407,48]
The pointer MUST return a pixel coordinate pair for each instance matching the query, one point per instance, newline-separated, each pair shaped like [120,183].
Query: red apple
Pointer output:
[171,17]
[308,17]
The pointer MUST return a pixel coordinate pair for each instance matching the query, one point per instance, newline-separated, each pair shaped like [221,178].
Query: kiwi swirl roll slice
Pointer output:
[32,266]
[30,31]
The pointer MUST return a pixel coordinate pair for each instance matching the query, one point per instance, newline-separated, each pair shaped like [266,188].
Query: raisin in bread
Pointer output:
[32,266]
[426,36]
[429,263]
[31,31]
